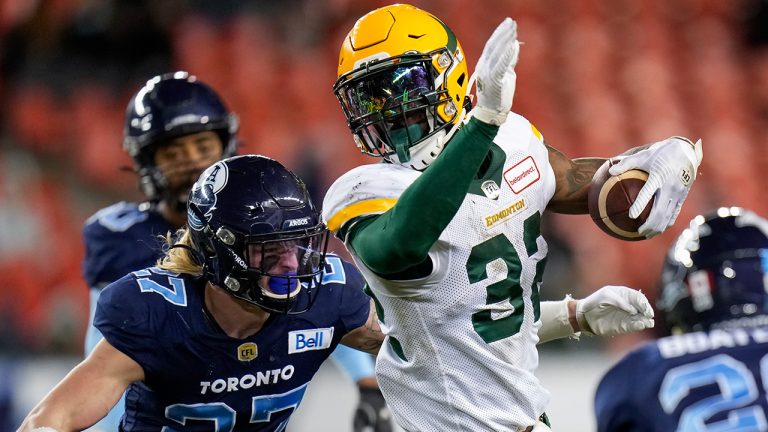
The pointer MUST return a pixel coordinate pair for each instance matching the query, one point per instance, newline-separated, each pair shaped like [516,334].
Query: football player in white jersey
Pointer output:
[446,229]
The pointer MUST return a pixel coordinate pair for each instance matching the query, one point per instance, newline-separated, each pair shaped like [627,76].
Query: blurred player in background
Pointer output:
[711,374]
[227,331]
[176,126]
[447,229]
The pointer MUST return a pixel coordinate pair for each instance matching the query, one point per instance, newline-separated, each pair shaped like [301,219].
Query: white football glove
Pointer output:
[614,310]
[496,76]
[609,311]
[671,165]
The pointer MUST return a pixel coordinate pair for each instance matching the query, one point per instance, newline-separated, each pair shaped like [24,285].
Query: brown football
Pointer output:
[610,198]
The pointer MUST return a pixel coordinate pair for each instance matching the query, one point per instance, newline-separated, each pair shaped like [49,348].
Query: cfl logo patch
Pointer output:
[309,340]
[247,351]
[490,189]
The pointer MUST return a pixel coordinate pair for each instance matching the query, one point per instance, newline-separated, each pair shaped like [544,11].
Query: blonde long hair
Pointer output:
[180,259]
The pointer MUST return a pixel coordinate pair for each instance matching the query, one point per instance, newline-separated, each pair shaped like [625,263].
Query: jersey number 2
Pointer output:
[737,388]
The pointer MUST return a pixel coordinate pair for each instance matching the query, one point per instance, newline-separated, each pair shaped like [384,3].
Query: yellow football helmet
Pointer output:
[402,84]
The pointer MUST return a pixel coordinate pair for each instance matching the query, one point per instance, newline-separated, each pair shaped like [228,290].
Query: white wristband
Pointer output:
[44,429]
[488,116]
[554,321]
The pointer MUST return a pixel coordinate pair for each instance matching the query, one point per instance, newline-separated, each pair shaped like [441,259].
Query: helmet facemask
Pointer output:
[278,275]
[279,270]
[398,109]
[154,182]
[162,183]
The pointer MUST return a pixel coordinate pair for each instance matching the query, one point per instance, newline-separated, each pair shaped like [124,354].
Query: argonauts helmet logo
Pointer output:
[203,195]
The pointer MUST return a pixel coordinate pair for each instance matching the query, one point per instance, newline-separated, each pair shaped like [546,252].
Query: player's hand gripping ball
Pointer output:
[610,198]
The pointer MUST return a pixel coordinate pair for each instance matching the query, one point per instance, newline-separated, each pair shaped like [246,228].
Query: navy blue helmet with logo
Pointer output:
[259,234]
[716,273]
[166,107]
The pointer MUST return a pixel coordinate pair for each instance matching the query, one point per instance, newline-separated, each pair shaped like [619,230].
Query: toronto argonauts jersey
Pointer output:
[199,379]
[461,342]
[121,238]
[695,382]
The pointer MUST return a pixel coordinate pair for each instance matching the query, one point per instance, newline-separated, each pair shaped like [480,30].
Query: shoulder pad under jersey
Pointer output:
[365,190]
[517,125]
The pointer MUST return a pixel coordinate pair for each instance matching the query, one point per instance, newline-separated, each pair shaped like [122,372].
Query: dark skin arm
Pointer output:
[573,178]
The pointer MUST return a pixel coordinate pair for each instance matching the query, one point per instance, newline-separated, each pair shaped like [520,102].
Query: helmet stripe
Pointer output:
[451,44]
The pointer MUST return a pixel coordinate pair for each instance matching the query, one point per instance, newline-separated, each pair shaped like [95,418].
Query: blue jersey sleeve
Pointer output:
[132,321]
[356,364]
[355,304]
[120,239]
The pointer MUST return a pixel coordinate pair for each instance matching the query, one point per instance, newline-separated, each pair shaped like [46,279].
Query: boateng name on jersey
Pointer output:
[692,343]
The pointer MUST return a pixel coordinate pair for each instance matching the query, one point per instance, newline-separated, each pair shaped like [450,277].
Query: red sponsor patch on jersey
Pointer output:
[522,175]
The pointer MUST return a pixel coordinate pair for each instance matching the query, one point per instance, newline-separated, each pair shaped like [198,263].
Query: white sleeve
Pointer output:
[554,320]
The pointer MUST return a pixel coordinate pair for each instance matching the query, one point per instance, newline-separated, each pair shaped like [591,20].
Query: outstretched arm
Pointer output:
[87,393]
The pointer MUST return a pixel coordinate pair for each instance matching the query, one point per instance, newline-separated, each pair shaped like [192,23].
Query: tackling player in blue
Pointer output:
[226,332]
[175,127]
[711,373]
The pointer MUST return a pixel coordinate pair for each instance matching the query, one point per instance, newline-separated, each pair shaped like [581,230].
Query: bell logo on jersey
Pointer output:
[247,351]
[308,340]
[522,175]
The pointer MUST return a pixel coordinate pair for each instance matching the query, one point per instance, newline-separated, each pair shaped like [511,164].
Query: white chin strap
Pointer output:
[424,153]
[470,84]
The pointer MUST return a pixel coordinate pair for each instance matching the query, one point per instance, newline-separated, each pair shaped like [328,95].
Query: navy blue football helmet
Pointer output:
[166,107]
[258,233]
[716,273]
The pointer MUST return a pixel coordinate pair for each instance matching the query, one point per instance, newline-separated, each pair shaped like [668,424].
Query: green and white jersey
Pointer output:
[461,342]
